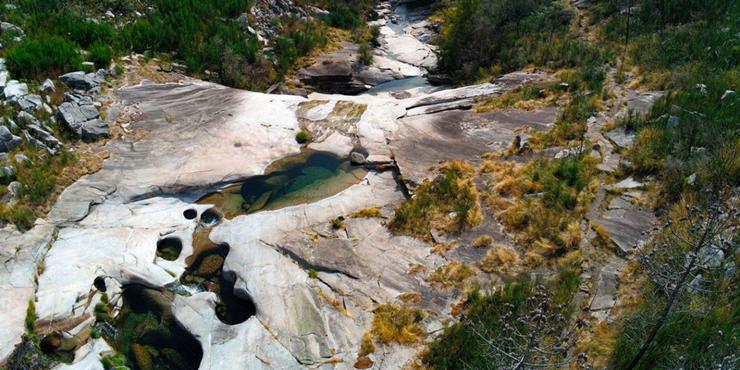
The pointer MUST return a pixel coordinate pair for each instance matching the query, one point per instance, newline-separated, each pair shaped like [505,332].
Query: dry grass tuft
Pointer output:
[442,248]
[483,241]
[367,213]
[453,275]
[366,345]
[450,202]
[500,259]
[397,324]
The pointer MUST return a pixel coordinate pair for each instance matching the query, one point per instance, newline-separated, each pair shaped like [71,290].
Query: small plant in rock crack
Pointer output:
[338,223]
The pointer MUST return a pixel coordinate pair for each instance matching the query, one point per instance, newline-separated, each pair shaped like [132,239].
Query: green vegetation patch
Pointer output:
[449,202]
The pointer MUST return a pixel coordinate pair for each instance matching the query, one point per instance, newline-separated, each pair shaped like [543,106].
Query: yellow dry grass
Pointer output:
[500,259]
[367,213]
[397,324]
[483,241]
[453,275]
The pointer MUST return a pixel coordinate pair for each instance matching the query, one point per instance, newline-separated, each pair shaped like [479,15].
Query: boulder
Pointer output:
[4,76]
[83,120]
[8,141]
[20,158]
[14,90]
[36,143]
[10,27]
[44,136]
[357,158]
[81,80]
[7,172]
[622,137]
[48,86]
[27,118]
[29,103]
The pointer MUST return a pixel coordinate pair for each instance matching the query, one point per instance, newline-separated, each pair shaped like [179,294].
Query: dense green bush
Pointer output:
[479,34]
[41,57]
[100,54]
[343,17]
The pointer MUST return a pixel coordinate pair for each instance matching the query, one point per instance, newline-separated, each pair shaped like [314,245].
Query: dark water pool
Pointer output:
[149,335]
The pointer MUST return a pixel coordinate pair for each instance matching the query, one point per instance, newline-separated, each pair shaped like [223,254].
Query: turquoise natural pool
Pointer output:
[303,178]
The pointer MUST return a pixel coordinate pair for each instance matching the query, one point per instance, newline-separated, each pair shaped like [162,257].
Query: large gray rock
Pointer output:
[17,280]
[8,141]
[605,296]
[36,143]
[84,120]
[48,86]
[81,80]
[45,137]
[4,76]
[10,27]
[14,90]
[26,118]
[29,103]
[626,223]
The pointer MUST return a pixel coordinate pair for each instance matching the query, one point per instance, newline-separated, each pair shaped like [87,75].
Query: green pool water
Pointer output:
[299,179]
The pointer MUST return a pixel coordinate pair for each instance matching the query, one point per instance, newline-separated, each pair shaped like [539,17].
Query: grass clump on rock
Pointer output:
[483,241]
[302,137]
[453,275]
[449,202]
[542,202]
[367,213]
[397,324]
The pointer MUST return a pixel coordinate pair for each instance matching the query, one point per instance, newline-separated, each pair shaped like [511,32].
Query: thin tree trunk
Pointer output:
[674,294]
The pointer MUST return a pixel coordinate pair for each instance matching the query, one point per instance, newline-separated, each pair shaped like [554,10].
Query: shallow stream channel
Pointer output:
[145,330]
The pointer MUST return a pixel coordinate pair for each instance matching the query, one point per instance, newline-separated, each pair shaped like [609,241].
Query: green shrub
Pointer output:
[479,34]
[343,16]
[100,54]
[31,316]
[42,57]
[453,192]
[302,137]
[22,217]
[366,54]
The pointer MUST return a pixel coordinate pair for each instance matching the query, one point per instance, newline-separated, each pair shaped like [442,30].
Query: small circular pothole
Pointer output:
[99,284]
[169,248]
[190,214]
[210,217]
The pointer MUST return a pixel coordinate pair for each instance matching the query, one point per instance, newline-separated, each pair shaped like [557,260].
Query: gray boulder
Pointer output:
[10,27]
[3,67]
[20,158]
[48,86]
[37,143]
[27,118]
[29,103]
[83,81]
[357,158]
[44,136]
[7,171]
[83,120]
[8,141]
[4,76]
[14,90]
